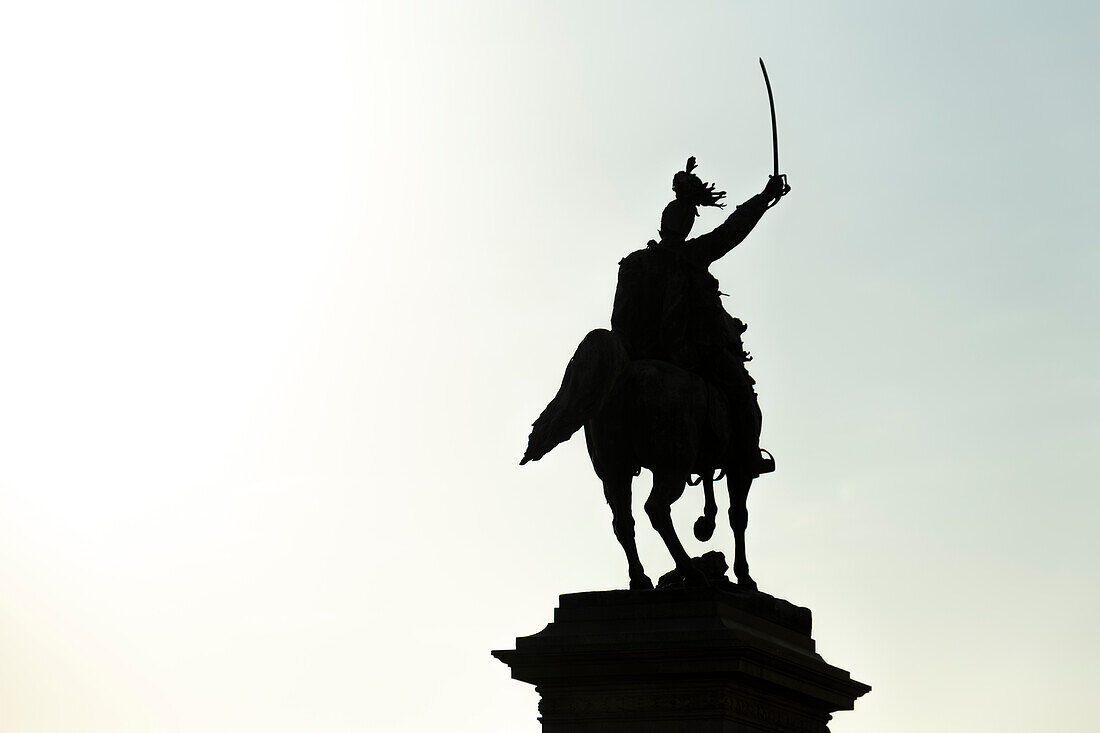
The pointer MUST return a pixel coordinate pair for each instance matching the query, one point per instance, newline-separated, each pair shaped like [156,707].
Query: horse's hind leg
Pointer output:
[667,488]
[739,521]
[617,493]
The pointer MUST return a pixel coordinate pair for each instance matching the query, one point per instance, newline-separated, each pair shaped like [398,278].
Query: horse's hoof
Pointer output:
[746,583]
[704,528]
[642,583]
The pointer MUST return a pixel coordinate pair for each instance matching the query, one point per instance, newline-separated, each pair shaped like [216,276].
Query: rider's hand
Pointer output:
[776,187]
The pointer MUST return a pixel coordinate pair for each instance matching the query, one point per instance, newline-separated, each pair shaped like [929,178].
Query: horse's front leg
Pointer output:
[739,520]
[667,488]
[704,525]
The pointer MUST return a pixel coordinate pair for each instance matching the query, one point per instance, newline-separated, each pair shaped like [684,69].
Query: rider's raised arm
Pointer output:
[714,245]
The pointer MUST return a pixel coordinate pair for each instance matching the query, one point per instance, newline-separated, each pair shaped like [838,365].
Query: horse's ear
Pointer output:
[690,164]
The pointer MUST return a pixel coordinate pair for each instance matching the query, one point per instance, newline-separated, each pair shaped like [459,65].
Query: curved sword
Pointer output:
[775,133]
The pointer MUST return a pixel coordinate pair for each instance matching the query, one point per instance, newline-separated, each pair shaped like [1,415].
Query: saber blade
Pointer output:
[775,133]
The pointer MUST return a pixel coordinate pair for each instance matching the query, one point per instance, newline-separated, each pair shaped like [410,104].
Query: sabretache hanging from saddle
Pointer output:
[672,349]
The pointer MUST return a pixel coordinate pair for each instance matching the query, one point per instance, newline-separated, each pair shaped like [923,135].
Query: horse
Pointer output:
[655,415]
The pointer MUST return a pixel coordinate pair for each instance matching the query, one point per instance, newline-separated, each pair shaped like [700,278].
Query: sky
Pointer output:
[283,285]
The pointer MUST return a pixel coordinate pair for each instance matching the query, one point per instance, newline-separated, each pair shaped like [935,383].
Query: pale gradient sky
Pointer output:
[282,286]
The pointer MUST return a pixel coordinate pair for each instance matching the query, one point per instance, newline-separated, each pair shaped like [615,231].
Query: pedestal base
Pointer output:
[683,660]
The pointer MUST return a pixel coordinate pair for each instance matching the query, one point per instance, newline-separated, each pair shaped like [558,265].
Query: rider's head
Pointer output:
[676,220]
[691,193]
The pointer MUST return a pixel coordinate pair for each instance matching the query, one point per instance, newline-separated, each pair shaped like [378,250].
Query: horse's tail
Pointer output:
[589,379]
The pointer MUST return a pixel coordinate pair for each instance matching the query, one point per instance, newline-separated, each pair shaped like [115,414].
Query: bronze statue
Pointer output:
[666,388]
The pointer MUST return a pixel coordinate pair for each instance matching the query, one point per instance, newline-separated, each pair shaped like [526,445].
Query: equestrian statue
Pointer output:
[666,388]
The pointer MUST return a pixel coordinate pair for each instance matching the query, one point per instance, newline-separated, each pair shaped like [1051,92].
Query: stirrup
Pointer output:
[765,465]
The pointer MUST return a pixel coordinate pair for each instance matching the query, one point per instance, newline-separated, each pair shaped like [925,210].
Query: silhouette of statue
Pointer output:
[667,389]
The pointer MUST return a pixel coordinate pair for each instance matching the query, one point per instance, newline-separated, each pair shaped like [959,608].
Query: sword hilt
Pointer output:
[786,188]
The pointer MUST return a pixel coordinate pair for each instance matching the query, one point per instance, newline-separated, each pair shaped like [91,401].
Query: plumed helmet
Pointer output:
[691,193]
[688,186]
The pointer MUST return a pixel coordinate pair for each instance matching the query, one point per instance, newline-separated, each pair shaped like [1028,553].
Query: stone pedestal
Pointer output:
[707,660]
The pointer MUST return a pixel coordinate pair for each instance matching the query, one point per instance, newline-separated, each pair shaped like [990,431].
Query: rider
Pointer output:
[667,303]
